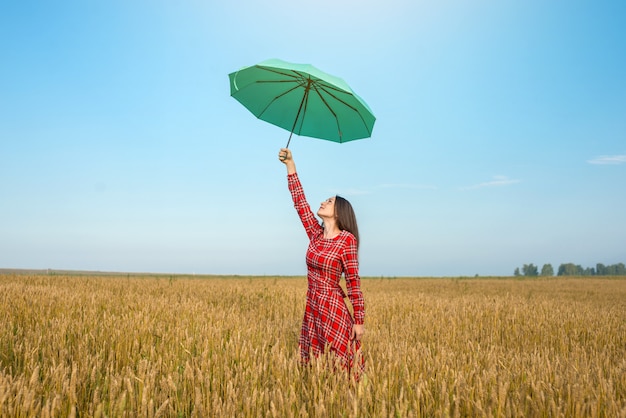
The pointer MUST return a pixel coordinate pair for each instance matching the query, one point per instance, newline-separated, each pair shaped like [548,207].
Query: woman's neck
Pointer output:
[331,230]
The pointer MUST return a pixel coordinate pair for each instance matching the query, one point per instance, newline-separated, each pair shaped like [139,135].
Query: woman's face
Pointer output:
[327,208]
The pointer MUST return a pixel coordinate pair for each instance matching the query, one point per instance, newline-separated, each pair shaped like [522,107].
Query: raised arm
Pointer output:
[310,223]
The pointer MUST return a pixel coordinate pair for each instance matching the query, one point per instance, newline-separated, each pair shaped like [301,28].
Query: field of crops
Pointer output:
[182,346]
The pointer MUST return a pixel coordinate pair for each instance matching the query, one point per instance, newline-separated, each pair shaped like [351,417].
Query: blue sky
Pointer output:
[500,137]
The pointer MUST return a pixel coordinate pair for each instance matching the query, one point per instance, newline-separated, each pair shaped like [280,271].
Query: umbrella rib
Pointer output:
[298,78]
[271,102]
[296,75]
[287,73]
[305,103]
[315,86]
[324,89]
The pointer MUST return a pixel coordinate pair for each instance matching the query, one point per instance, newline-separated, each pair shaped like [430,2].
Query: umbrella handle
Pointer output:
[287,146]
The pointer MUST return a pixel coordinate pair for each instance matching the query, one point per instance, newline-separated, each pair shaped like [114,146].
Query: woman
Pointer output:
[333,250]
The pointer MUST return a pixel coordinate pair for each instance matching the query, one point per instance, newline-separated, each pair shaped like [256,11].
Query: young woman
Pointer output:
[333,251]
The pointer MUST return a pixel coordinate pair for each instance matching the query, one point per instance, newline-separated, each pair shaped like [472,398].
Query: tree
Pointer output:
[530,270]
[570,269]
[589,271]
[616,270]
[547,270]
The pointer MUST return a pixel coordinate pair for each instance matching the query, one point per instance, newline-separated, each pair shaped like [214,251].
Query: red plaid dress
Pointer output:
[327,322]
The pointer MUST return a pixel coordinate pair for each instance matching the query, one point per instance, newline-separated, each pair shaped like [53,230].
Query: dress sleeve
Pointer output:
[350,261]
[310,223]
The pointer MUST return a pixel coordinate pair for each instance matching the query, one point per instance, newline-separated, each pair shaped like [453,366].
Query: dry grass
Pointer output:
[159,346]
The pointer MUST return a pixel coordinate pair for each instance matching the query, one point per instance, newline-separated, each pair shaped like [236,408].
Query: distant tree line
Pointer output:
[571,269]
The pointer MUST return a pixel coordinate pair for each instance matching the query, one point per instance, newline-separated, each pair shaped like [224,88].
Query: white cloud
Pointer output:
[496,182]
[608,159]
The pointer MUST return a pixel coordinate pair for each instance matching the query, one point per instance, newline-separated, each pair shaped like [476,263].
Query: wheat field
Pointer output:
[175,346]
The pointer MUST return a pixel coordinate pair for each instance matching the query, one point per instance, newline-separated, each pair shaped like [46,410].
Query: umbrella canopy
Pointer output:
[302,99]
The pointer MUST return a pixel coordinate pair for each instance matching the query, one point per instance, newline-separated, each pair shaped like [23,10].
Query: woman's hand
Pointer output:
[284,155]
[357,331]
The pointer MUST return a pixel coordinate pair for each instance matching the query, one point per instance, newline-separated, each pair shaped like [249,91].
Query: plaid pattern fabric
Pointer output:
[327,323]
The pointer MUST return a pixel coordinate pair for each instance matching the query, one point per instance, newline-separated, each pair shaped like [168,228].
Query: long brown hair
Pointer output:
[346,219]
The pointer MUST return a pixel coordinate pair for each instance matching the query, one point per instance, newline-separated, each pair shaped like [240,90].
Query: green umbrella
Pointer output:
[302,99]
